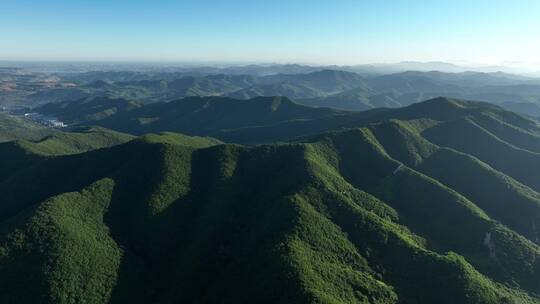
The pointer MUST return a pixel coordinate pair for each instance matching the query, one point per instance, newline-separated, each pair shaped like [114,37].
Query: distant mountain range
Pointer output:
[405,88]
[344,88]
[261,119]
[436,202]
[258,69]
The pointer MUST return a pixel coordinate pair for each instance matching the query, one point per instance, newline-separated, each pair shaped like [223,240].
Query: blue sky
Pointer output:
[314,31]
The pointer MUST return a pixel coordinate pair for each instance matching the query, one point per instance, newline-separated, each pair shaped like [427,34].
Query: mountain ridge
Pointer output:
[388,206]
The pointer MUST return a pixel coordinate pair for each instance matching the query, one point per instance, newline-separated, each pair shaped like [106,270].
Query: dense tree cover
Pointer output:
[399,208]
[12,128]
[270,119]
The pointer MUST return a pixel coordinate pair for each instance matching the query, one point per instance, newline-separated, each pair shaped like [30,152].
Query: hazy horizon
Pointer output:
[377,67]
[315,32]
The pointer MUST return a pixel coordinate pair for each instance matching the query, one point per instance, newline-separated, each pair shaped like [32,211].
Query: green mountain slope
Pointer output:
[12,127]
[402,89]
[294,91]
[433,203]
[392,210]
[269,119]
[325,81]
[302,86]
[361,98]
[346,88]
[19,154]
[214,116]
[87,109]
[79,140]
[480,142]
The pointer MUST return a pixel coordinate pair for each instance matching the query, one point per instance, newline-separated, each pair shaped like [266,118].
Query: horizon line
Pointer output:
[462,64]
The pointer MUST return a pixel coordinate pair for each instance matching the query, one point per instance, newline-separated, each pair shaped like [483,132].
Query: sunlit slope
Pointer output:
[12,128]
[78,140]
[88,109]
[19,154]
[366,215]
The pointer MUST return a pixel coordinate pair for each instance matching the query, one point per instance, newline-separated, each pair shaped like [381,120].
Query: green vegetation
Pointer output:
[392,206]
[345,88]
[19,154]
[12,128]
[261,119]
[78,140]
[88,109]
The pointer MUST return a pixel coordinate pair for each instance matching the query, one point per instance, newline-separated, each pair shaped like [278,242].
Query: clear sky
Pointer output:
[304,31]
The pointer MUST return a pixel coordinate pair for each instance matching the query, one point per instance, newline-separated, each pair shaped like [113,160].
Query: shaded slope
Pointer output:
[79,140]
[268,119]
[503,156]
[303,223]
[212,116]
[431,209]
[87,109]
[500,196]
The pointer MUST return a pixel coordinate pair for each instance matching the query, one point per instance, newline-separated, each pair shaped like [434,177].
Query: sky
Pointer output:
[343,32]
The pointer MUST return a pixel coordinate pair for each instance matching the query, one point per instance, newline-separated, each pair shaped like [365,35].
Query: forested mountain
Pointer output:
[302,86]
[433,203]
[344,88]
[261,119]
[88,109]
[12,128]
[402,89]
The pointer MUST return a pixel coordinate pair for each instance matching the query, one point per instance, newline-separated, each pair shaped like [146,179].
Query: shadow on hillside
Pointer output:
[152,244]
[202,246]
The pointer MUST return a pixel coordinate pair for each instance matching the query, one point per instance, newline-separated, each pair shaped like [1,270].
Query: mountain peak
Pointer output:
[446,102]
[443,108]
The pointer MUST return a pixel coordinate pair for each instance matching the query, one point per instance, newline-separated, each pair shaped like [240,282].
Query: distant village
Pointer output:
[45,120]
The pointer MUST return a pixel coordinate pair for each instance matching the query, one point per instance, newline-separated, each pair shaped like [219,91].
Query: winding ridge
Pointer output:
[433,203]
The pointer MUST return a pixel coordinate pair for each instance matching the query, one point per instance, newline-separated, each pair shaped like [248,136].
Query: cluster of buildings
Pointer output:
[45,120]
